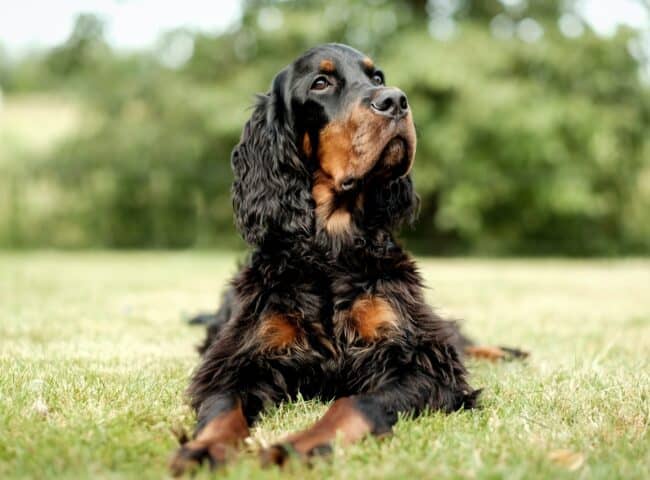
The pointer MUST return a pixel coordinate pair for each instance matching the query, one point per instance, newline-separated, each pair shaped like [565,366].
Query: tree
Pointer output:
[82,50]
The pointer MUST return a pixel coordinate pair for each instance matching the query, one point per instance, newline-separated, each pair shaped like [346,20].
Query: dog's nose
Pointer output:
[390,102]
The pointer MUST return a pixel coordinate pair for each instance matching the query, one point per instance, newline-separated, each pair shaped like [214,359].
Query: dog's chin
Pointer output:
[395,159]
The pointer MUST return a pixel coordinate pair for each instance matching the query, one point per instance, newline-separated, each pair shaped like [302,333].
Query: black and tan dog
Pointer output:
[328,305]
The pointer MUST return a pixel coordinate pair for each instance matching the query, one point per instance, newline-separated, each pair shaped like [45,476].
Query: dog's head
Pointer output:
[329,149]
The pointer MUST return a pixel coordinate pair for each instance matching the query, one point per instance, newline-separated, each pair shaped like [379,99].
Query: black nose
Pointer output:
[390,102]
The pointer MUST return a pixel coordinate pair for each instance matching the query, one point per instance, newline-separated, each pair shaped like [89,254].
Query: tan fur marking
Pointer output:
[327,66]
[485,352]
[339,222]
[373,316]
[306,145]
[335,222]
[368,63]
[228,427]
[351,145]
[278,332]
[323,195]
[359,201]
[343,418]
[220,437]
[335,149]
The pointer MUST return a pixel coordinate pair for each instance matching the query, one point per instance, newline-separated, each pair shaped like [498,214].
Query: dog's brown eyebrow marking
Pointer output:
[368,64]
[327,66]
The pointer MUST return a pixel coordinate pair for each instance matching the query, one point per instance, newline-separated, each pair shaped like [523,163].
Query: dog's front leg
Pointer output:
[411,390]
[221,428]
[349,418]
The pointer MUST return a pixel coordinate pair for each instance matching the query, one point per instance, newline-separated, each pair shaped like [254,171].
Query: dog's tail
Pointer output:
[469,348]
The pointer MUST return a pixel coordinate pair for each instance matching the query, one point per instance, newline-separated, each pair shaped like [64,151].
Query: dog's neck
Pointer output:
[340,217]
[335,210]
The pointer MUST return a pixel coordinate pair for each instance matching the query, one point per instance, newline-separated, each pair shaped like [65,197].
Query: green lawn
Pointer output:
[95,356]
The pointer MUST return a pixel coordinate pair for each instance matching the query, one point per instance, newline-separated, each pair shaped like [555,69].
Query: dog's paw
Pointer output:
[493,354]
[192,455]
[514,353]
[277,454]
[281,453]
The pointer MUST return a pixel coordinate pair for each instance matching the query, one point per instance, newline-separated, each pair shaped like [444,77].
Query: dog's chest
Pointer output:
[368,321]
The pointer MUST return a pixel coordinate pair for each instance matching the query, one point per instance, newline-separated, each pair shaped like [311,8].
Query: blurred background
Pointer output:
[117,117]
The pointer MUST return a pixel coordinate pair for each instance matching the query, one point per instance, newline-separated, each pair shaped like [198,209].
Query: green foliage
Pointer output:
[83,51]
[156,172]
[537,148]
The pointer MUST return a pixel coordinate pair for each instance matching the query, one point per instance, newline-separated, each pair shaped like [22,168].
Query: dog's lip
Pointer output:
[409,156]
[406,156]
[396,139]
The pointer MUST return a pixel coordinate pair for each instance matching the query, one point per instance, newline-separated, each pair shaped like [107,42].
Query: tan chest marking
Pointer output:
[306,145]
[339,222]
[278,332]
[373,317]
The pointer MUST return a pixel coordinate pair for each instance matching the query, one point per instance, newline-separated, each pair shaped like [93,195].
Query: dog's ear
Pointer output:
[393,204]
[271,196]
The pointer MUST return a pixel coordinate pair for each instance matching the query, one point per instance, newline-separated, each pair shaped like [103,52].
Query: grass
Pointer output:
[94,357]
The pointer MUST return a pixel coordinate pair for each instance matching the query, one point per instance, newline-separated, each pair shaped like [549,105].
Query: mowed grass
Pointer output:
[94,358]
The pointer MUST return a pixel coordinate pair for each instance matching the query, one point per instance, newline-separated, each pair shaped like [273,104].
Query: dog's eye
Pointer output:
[321,83]
[377,79]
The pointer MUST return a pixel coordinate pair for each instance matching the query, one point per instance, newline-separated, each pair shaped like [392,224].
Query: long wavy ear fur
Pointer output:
[271,196]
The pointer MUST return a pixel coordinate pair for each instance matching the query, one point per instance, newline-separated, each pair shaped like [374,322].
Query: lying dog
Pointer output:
[328,306]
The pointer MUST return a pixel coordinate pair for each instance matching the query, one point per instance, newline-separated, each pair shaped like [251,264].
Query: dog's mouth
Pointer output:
[394,161]
[395,158]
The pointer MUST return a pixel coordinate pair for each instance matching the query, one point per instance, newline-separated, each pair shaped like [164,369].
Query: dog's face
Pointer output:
[347,119]
[327,151]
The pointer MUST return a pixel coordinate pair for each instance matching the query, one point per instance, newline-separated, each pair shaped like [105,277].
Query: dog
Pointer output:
[328,305]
